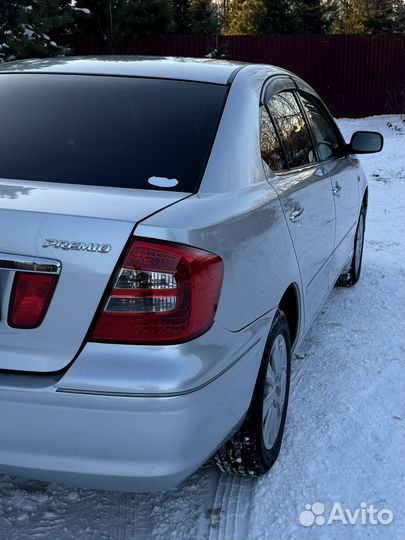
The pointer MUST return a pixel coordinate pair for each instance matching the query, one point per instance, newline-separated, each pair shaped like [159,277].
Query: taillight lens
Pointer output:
[164,293]
[30,298]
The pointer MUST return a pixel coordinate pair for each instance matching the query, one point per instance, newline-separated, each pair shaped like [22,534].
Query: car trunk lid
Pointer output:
[84,230]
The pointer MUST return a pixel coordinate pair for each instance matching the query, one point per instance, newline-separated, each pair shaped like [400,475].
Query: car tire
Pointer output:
[254,449]
[352,276]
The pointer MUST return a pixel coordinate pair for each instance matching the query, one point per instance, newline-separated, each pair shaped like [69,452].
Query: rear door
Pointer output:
[304,190]
[83,159]
[344,184]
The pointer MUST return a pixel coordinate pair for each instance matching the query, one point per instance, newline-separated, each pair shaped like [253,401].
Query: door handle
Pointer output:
[296,214]
[336,189]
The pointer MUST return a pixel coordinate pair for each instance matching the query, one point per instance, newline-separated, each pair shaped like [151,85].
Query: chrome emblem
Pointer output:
[77,246]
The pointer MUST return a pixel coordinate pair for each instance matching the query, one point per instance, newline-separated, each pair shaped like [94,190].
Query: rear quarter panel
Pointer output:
[248,230]
[236,213]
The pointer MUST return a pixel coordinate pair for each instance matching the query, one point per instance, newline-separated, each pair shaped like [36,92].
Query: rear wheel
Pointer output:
[254,449]
[352,276]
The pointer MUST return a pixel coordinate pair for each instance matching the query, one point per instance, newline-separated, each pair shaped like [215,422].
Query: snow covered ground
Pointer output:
[345,433]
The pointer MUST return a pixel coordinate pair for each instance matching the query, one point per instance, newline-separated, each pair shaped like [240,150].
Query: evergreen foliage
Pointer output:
[26,27]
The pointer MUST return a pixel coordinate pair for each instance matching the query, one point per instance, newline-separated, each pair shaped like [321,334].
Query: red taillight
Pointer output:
[30,298]
[163,294]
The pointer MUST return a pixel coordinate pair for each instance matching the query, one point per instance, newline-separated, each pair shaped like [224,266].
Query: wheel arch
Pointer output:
[365,198]
[290,306]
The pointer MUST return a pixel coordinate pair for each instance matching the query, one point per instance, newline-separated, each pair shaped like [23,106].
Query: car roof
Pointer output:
[190,69]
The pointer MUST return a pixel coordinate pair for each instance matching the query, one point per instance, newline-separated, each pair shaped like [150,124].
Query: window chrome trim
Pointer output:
[29,264]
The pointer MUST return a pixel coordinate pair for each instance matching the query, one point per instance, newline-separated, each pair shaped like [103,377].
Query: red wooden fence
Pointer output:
[357,75]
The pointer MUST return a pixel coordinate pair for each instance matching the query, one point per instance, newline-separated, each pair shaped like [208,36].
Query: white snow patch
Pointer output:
[84,10]
[28,32]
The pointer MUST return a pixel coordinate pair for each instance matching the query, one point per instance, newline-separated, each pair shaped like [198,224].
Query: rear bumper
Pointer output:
[122,442]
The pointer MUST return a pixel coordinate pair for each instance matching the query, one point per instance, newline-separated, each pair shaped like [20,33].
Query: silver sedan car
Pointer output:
[169,229]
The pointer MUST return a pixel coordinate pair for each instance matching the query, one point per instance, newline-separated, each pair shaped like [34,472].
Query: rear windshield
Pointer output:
[107,131]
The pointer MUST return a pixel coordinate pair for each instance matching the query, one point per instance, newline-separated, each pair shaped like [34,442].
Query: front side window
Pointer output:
[107,131]
[325,135]
[292,128]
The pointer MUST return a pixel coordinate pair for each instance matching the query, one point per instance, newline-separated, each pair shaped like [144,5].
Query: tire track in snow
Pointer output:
[228,514]
[296,373]
[131,516]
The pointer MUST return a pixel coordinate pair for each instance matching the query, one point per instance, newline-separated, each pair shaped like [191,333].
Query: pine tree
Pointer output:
[352,17]
[181,23]
[369,16]
[244,17]
[26,27]
[310,16]
[279,18]
[116,20]
[260,17]
[204,17]
[385,16]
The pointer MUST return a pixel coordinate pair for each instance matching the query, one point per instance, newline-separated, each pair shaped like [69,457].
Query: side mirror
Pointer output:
[365,142]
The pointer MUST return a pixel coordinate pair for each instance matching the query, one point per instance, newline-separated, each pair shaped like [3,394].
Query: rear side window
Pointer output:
[107,131]
[293,130]
[270,147]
